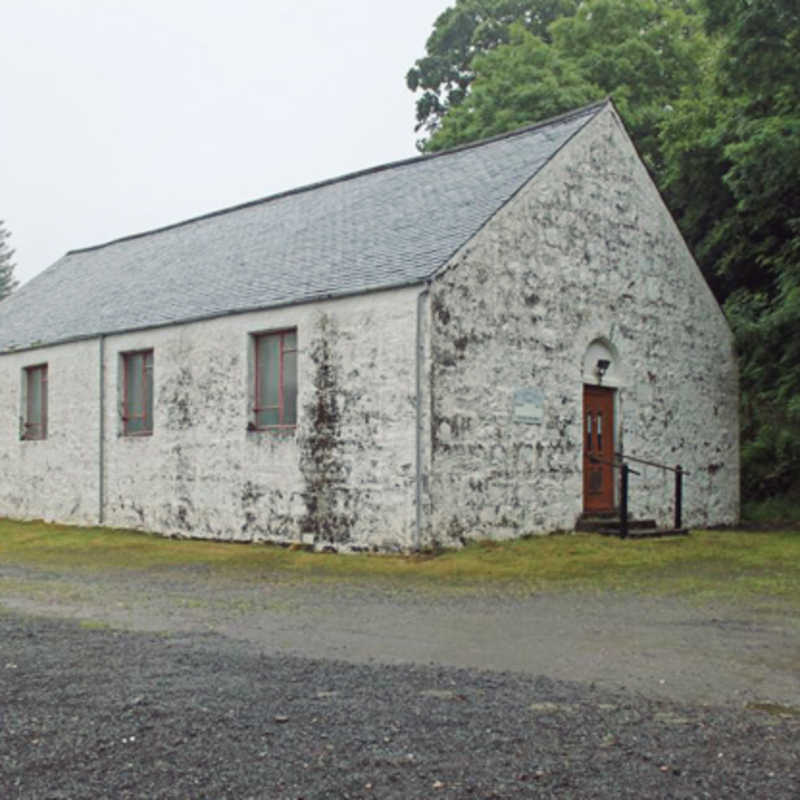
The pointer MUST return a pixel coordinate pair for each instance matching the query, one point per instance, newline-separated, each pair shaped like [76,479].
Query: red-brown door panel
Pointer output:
[598,447]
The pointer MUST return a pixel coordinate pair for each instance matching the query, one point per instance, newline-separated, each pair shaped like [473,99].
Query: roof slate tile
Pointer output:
[389,226]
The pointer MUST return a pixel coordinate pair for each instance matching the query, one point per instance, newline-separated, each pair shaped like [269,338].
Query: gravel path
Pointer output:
[657,646]
[183,684]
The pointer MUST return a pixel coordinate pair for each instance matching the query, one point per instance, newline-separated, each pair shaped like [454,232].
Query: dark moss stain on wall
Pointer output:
[250,496]
[476,458]
[194,398]
[251,493]
[175,396]
[328,498]
[122,505]
[213,386]
[265,513]
[178,515]
[440,312]
[460,344]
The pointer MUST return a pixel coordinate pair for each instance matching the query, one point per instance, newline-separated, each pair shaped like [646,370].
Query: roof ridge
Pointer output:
[349,176]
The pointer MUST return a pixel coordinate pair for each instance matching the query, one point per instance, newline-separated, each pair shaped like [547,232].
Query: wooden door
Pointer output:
[598,443]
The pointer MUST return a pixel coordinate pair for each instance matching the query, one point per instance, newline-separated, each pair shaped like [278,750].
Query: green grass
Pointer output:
[704,566]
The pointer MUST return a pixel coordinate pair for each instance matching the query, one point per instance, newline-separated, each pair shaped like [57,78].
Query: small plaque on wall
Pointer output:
[528,406]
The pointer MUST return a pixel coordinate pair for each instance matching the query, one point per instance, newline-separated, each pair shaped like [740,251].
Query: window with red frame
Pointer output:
[35,420]
[137,393]
[275,395]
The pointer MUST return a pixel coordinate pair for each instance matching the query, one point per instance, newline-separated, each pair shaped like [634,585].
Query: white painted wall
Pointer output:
[585,251]
[202,473]
[55,479]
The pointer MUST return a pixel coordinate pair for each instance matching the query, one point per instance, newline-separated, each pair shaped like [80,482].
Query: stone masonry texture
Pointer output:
[585,251]
[202,473]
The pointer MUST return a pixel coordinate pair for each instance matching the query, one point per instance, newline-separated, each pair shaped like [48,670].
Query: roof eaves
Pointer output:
[318,297]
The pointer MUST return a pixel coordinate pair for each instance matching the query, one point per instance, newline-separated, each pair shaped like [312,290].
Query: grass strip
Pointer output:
[705,566]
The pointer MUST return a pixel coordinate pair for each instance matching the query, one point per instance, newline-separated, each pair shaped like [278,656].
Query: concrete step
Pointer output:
[607,523]
[594,523]
[644,533]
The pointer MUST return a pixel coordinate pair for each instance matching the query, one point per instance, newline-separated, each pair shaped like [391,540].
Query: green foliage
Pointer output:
[7,281]
[733,179]
[641,51]
[463,31]
[766,333]
[778,511]
[521,81]
[761,45]
[694,137]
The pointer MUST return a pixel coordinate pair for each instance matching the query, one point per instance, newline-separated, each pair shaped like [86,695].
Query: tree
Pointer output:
[759,76]
[732,146]
[643,52]
[762,40]
[732,149]
[694,137]
[463,31]
[523,81]
[7,281]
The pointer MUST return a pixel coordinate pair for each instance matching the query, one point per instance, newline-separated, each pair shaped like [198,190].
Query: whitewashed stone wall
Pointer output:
[585,251]
[346,480]
[56,478]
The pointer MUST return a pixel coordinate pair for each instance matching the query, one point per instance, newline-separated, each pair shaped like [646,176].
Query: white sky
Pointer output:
[121,115]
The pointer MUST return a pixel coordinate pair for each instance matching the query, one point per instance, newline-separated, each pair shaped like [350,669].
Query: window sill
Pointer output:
[141,435]
[272,428]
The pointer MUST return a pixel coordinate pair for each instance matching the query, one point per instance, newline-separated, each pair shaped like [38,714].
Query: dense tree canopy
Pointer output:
[7,281]
[467,29]
[732,148]
[710,90]
[643,52]
[521,81]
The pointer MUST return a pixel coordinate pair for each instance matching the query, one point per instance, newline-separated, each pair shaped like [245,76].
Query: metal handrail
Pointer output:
[625,470]
[615,464]
[651,463]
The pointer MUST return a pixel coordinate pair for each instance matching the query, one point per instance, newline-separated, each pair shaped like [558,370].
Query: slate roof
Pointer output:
[389,226]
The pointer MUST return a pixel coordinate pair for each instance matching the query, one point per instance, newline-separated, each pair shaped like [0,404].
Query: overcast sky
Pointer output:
[117,116]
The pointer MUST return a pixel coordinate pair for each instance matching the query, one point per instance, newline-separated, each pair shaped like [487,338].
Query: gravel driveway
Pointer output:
[183,683]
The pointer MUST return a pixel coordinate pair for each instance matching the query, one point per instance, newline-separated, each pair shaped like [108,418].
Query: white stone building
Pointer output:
[395,358]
